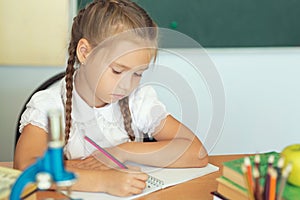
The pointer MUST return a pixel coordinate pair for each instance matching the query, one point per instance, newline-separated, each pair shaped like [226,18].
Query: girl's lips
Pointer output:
[118,96]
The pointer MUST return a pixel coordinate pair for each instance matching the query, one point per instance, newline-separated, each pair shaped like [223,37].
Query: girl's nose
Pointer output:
[125,82]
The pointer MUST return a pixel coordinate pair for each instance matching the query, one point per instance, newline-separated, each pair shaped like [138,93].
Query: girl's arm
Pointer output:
[92,175]
[31,145]
[176,146]
[112,181]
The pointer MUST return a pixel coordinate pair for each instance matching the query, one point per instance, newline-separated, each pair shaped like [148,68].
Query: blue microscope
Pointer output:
[49,168]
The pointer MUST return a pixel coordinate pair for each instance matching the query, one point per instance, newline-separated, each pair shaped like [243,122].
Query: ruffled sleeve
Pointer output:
[38,107]
[147,111]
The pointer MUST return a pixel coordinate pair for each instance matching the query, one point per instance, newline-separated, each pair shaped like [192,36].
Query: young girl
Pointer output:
[103,100]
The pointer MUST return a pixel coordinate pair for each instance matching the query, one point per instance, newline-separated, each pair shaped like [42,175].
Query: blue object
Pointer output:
[51,163]
[49,168]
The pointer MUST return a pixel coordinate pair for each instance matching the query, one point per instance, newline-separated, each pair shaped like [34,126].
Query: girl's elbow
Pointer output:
[22,164]
[197,162]
[202,157]
[19,166]
[202,162]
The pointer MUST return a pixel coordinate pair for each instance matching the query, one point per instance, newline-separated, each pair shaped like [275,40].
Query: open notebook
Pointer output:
[169,177]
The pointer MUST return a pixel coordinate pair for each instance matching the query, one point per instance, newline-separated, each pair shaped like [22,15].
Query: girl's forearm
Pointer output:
[169,153]
[104,180]
[86,179]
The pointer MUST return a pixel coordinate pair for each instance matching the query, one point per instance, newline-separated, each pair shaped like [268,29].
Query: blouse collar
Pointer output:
[82,112]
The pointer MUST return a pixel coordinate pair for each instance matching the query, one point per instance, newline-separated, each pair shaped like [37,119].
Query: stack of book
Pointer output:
[234,184]
[8,176]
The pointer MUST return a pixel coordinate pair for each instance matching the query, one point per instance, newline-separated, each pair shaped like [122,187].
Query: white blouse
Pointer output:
[103,125]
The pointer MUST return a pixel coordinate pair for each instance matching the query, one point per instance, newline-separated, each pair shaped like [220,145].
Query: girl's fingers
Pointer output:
[91,163]
[129,182]
[135,191]
[99,166]
[142,176]
[140,184]
[133,186]
[134,168]
[137,173]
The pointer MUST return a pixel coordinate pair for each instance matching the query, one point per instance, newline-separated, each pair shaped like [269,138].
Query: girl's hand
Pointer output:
[124,183]
[114,151]
[89,162]
[94,176]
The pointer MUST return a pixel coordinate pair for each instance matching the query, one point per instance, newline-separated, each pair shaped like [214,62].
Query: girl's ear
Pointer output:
[83,50]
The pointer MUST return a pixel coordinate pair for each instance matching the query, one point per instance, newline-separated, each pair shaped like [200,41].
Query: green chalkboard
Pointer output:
[229,23]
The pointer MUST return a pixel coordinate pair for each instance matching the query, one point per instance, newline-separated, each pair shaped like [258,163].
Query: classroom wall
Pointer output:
[39,31]
[262,99]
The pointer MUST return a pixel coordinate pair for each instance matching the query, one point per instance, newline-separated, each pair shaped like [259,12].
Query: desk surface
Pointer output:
[198,188]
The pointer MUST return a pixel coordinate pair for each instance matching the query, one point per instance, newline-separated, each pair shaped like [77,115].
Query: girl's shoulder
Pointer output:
[143,92]
[144,98]
[50,97]
[146,109]
[39,105]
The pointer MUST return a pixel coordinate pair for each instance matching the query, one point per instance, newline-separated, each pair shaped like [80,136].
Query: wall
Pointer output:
[34,33]
[262,99]
[17,83]
[262,96]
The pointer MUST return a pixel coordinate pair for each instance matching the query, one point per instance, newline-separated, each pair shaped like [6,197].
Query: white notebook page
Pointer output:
[170,177]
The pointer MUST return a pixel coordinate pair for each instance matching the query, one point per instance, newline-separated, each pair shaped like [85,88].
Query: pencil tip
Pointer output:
[280,162]
[247,161]
[271,159]
[257,158]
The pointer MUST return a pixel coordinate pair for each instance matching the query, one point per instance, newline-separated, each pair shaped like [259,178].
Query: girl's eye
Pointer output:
[115,71]
[138,74]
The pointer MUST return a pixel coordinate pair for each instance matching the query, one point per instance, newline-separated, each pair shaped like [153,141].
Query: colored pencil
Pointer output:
[257,162]
[285,173]
[272,188]
[249,172]
[267,185]
[257,189]
[108,155]
[279,167]
[271,161]
[151,181]
[247,181]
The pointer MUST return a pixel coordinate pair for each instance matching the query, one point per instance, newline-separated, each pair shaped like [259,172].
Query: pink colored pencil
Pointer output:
[108,155]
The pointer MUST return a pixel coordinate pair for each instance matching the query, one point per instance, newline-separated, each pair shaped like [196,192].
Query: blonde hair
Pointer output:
[96,22]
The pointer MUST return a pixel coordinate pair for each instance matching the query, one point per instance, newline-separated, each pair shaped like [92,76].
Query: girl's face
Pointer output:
[121,77]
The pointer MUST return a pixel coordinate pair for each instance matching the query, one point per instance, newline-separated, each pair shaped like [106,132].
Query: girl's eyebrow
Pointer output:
[121,65]
[144,69]
[128,68]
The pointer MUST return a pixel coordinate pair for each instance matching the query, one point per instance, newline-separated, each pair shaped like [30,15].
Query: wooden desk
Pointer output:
[195,189]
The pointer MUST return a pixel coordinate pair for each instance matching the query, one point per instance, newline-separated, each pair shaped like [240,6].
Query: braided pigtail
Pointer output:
[69,87]
[124,106]
[75,37]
